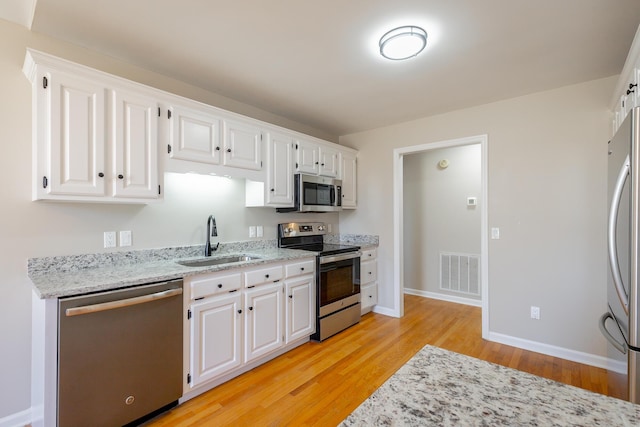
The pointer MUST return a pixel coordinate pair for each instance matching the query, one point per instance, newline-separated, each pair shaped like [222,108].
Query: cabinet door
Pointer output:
[328,162]
[135,142]
[195,135]
[300,310]
[75,135]
[280,171]
[242,145]
[263,323]
[307,157]
[216,328]
[349,177]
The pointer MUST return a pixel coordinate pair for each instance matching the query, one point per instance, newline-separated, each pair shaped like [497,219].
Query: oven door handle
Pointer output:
[339,257]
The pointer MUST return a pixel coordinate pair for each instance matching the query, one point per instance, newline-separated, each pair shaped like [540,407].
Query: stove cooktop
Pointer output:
[309,237]
[327,248]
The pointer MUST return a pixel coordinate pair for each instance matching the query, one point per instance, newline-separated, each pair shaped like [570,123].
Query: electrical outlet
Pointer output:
[259,231]
[125,238]
[495,233]
[109,239]
[252,231]
[535,312]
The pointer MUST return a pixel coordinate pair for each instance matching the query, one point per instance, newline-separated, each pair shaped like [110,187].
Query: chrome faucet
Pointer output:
[212,231]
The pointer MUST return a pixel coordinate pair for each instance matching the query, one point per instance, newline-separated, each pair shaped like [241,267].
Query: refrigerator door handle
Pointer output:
[622,348]
[611,238]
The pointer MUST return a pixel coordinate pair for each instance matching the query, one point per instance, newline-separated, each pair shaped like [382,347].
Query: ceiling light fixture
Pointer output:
[403,42]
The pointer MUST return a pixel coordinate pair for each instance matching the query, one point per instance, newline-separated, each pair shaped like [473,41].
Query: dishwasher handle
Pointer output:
[94,308]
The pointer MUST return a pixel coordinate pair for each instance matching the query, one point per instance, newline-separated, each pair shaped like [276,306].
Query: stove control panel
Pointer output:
[294,229]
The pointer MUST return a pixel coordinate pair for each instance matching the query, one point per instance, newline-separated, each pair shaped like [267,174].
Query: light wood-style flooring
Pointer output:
[321,383]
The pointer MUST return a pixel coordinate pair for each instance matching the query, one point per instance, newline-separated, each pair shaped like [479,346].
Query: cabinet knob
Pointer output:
[291,296]
[120,176]
[301,268]
[321,164]
[219,285]
[250,308]
[101,175]
[217,148]
[317,163]
[228,150]
[370,272]
[273,189]
[239,311]
[266,276]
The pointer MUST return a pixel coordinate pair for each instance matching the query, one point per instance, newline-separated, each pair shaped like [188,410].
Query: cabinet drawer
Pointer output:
[300,268]
[369,295]
[368,271]
[369,254]
[263,275]
[210,284]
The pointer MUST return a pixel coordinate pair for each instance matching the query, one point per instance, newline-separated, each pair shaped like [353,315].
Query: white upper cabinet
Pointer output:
[627,92]
[94,136]
[279,187]
[194,135]
[71,131]
[242,145]
[307,157]
[329,164]
[135,144]
[349,175]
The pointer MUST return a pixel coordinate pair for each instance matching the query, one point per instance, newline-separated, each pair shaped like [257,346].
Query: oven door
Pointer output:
[338,282]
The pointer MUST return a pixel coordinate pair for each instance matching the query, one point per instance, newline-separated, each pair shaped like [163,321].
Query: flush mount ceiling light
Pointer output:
[403,42]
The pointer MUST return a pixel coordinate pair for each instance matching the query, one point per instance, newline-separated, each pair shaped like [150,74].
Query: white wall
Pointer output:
[547,193]
[33,229]
[436,216]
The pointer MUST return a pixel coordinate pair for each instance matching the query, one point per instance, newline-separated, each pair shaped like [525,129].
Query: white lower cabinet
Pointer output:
[216,337]
[368,280]
[240,318]
[263,321]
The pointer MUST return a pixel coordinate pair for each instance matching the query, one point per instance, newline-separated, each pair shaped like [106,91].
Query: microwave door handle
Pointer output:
[603,328]
[611,235]
[332,196]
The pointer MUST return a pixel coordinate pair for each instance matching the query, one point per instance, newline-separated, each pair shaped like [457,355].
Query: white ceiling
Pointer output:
[316,62]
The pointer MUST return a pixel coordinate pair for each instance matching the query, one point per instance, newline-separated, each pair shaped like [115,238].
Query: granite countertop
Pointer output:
[61,276]
[438,387]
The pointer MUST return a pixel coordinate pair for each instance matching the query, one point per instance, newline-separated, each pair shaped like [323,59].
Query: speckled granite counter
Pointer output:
[441,388]
[60,276]
[55,277]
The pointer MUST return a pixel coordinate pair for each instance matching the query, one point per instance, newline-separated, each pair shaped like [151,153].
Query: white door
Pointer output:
[76,113]
[300,310]
[263,323]
[195,135]
[280,171]
[136,145]
[216,328]
[242,145]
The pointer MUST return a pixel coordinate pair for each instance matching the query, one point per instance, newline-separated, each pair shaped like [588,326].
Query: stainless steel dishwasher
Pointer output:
[119,354]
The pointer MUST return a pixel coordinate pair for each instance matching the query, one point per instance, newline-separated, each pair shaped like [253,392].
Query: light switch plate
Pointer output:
[125,238]
[495,233]
[252,231]
[259,231]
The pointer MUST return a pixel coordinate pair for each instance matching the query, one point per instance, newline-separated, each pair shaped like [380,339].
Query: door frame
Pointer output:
[398,223]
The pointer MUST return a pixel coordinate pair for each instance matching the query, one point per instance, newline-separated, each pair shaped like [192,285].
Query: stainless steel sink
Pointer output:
[207,262]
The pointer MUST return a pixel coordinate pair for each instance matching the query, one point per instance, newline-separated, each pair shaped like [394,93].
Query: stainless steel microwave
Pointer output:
[315,194]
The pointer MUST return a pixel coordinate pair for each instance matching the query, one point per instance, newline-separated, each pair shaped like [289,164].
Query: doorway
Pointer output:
[400,234]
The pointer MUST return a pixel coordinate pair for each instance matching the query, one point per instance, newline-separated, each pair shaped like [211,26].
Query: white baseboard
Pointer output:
[443,297]
[561,352]
[386,311]
[19,419]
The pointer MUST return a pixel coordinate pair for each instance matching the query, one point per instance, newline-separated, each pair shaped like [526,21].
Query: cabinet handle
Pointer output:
[101,175]
[120,176]
[219,285]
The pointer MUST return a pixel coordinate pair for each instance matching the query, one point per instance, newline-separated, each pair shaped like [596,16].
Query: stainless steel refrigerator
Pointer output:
[621,323]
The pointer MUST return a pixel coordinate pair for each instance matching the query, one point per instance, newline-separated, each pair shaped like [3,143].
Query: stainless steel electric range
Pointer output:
[337,276]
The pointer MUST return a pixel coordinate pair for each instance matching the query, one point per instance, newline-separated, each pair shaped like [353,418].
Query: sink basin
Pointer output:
[207,262]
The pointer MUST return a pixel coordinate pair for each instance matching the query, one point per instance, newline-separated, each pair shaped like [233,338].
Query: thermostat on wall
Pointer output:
[472,201]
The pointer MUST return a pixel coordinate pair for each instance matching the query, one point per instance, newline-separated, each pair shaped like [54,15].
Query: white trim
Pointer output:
[19,419]
[561,352]
[385,311]
[444,297]
[398,279]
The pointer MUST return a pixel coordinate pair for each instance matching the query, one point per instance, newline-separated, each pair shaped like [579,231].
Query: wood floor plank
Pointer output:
[319,384]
